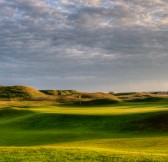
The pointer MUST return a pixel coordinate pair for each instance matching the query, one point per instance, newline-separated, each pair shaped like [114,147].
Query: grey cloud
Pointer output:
[72,40]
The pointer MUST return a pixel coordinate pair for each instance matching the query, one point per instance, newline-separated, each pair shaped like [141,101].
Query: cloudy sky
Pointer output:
[89,45]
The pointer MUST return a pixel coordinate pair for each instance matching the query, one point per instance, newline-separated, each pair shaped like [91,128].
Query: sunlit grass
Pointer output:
[77,154]
[98,110]
[42,131]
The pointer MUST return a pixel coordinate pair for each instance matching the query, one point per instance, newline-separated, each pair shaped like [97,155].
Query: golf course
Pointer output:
[47,130]
[83,81]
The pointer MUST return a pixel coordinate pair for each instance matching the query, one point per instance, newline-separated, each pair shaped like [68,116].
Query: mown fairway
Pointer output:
[118,132]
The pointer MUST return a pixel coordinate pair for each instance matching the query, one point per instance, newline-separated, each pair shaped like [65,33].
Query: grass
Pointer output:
[16,92]
[45,131]
[24,93]
[142,97]
[77,154]
[58,92]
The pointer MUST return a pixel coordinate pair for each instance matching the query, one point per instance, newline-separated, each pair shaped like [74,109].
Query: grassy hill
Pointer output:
[19,92]
[58,92]
[84,98]
[75,97]
[59,96]
[141,97]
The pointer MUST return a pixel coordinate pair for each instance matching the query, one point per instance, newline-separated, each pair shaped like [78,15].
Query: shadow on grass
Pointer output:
[12,112]
[31,128]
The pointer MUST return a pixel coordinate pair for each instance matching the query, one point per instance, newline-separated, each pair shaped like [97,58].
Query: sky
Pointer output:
[87,45]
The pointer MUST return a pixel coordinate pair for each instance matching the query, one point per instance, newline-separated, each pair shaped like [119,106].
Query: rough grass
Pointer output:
[13,92]
[59,96]
[142,97]
[83,98]
[58,92]
[74,97]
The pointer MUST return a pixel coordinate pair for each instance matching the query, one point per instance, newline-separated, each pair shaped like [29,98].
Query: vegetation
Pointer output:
[59,96]
[142,97]
[58,92]
[46,130]
[17,92]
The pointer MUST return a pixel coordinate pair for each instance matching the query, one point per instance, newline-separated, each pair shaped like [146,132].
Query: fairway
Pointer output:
[43,131]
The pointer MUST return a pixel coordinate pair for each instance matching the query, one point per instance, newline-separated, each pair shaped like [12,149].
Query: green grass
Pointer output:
[77,154]
[44,131]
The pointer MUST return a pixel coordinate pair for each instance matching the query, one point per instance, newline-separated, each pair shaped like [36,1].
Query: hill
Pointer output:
[141,97]
[85,98]
[58,96]
[19,92]
[75,97]
[58,92]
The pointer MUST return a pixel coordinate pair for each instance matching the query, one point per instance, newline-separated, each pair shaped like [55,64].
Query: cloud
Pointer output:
[114,40]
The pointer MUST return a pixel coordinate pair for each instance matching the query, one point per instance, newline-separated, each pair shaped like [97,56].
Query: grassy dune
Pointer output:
[44,131]
[24,93]
[16,92]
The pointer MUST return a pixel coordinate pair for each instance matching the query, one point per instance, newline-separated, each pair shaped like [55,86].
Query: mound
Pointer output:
[60,96]
[97,98]
[58,92]
[19,92]
[148,99]
[97,95]
[141,97]
[124,93]
[74,97]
